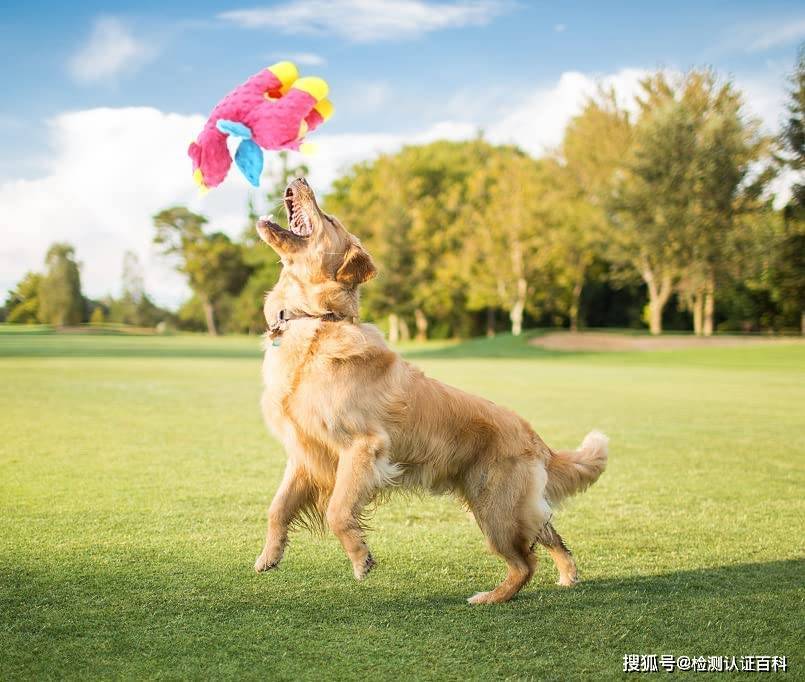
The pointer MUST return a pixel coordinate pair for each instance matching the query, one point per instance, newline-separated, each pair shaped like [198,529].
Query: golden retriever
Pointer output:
[356,419]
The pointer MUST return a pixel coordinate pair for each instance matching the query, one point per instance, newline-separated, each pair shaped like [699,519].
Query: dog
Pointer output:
[357,420]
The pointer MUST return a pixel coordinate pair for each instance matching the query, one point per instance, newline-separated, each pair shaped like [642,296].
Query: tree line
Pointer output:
[660,216]
[55,297]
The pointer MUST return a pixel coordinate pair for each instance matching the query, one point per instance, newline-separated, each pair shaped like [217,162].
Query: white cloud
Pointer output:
[538,122]
[366,21]
[758,36]
[110,51]
[764,99]
[775,36]
[302,58]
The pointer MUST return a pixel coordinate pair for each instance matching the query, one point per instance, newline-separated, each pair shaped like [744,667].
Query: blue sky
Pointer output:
[88,85]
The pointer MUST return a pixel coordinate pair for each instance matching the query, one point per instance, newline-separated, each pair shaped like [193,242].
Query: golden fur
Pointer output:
[356,419]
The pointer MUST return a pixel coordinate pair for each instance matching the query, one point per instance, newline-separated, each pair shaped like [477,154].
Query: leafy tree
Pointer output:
[724,188]
[22,304]
[133,278]
[371,201]
[134,306]
[792,140]
[789,277]
[651,199]
[407,208]
[591,156]
[212,263]
[98,316]
[682,187]
[509,251]
[60,300]
[125,308]
[790,268]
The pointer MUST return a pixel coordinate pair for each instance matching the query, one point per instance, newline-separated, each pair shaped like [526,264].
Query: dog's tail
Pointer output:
[571,471]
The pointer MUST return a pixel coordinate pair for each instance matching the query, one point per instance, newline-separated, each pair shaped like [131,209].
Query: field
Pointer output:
[135,473]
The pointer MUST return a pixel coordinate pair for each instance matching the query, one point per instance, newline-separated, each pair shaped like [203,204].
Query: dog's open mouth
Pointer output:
[298,219]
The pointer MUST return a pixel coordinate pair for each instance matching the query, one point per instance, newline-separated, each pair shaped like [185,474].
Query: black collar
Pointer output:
[279,325]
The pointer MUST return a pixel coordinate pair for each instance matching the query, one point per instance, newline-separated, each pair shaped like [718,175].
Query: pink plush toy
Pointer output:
[274,109]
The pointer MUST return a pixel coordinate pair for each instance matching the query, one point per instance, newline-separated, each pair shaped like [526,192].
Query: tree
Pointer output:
[406,207]
[655,197]
[60,300]
[22,304]
[371,200]
[212,263]
[98,316]
[133,278]
[509,255]
[592,153]
[651,199]
[134,306]
[723,184]
[792,140]
[125,308]
[790,268]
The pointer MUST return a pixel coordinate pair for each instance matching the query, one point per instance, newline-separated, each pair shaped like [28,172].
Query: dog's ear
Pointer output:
[357,267]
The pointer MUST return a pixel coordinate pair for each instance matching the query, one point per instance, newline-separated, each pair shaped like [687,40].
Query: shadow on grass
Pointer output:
[314,622]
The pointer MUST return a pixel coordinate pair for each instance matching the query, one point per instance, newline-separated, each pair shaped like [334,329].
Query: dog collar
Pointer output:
[276,328]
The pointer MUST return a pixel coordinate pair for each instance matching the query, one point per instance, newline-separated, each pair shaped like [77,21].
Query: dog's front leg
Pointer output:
[357,479]
[294,493]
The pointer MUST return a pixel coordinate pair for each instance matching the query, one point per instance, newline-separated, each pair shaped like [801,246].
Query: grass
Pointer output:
[135,472]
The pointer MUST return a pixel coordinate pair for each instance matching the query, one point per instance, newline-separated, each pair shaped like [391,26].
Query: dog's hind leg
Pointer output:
[295,493]
[520,562]
[363,469]
[504,516]
[552,541]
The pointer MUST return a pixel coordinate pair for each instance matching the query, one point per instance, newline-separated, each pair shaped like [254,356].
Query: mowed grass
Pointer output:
[135,473]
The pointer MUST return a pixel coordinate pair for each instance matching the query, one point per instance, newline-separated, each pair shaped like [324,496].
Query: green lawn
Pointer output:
[135,473]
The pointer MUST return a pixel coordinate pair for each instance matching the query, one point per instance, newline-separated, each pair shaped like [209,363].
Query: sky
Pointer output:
[100,100]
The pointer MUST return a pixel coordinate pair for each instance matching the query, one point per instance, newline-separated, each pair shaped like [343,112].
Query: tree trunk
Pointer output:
[405,333]
[575,302]
[490,322]
[518,308]
[394,328]
[657,298]
[698,311]
[209,315]
[709,305]
[421,325]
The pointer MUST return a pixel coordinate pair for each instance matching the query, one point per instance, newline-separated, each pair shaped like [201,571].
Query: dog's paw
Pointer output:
[479,598]
[568,580]
[263,563]
[362,570]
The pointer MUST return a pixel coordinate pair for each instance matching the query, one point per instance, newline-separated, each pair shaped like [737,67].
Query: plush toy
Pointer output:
[272,110]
